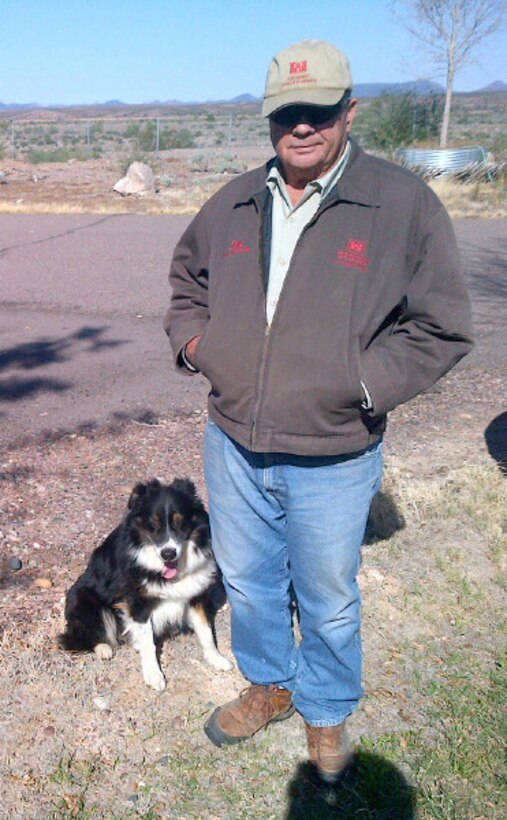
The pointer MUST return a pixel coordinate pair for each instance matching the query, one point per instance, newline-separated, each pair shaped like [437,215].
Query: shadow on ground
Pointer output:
[44,352]
[496,441]
[375,789]
[385,519]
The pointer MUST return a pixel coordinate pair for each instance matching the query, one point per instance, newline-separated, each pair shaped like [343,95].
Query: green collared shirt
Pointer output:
[288,222]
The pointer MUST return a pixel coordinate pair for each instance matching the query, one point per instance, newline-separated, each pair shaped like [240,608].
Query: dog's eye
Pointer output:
[155,522]
[176,520]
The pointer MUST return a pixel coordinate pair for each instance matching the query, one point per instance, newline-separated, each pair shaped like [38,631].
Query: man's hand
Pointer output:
[190,349]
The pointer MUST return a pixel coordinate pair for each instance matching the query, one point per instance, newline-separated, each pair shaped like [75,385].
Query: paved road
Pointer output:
[81,304]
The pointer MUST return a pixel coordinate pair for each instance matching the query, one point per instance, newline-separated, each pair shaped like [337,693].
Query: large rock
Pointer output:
[139,181]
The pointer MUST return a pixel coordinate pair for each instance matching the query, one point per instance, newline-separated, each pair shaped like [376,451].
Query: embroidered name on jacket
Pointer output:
[237,247]
[354,255]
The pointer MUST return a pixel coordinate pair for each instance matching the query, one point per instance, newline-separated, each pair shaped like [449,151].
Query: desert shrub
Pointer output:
[4,129]
[393,120]
[217,164]
[146,136]
[176,138]
[36,156]
[499,147]
[132,130]
[229,164]
[202,163]
[167,181]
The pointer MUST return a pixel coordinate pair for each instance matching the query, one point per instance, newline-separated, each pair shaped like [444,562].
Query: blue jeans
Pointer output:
[284,525]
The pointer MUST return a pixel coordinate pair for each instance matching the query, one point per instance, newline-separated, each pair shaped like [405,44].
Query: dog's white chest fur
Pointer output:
[168,613]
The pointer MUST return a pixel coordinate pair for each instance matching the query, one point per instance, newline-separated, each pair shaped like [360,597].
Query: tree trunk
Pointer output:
[451,71]
[446,117]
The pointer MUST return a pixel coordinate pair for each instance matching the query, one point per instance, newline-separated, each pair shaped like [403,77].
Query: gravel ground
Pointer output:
[75,731]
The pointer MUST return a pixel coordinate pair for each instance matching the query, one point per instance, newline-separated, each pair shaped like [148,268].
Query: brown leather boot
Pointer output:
[254,709]
[329,750]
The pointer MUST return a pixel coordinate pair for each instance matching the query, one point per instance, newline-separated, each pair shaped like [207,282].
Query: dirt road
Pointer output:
[81,304]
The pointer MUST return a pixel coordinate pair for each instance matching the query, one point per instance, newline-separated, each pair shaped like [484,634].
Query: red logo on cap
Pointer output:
[298,68]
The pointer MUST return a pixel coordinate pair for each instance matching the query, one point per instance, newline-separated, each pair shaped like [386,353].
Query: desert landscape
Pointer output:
[69,159]
[83,738]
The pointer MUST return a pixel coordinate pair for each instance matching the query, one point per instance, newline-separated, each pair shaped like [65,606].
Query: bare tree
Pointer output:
[450,31]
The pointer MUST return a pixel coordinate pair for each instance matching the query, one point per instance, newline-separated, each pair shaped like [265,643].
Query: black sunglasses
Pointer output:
[313,115]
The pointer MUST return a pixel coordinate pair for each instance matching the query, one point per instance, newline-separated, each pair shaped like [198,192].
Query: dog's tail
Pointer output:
[88,623]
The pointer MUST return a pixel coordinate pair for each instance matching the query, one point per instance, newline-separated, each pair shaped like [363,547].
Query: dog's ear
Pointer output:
[140,490]
[137,493]
[184,485]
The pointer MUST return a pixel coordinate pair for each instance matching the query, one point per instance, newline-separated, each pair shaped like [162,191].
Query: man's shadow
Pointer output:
[374,788]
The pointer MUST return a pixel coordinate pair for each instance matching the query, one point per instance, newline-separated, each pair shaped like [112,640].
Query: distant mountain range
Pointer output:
[361,90]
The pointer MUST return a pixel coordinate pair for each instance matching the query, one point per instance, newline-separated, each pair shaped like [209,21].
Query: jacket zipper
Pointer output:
[262,368]
[260,379]
[267,332]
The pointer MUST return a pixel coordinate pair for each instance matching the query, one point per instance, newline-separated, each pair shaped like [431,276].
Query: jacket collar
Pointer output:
[357,184]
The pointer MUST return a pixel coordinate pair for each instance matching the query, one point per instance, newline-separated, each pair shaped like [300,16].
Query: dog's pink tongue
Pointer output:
[169,572]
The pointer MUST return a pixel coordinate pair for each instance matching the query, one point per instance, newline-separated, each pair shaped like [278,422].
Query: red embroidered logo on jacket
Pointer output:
[298,68]
[237,247]
[354,255]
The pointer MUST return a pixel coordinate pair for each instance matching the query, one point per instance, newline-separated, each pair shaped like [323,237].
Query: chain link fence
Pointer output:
[59,140]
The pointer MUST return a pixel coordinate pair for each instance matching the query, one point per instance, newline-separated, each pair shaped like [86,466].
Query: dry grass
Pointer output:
[86,739]
[484,200]
[174,206]
[86,187]
[481,200]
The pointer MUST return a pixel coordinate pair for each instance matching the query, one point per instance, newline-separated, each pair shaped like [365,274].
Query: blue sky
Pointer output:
[86,51]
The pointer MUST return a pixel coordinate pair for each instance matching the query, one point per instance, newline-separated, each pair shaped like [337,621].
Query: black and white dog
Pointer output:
[155,570]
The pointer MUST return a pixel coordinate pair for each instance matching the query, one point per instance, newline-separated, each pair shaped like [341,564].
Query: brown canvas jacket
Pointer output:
[374,293]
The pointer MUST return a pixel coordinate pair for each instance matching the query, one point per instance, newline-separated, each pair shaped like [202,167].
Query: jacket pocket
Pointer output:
[200,353]
[354,373]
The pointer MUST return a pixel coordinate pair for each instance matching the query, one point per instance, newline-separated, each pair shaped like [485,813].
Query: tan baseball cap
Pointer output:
[312,72]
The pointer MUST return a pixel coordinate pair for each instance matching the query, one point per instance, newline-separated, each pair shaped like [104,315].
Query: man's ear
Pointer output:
[351,113]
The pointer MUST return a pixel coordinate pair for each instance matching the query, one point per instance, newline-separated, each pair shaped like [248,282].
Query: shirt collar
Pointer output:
[323,184]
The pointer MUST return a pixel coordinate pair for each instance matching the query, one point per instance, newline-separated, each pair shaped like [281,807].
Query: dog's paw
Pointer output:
[155,679]
[218,661]
[103,651]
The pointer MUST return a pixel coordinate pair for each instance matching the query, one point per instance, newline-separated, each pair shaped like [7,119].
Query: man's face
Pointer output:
[306,147]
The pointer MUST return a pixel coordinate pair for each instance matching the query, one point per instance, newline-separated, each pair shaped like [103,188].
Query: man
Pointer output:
[315,294]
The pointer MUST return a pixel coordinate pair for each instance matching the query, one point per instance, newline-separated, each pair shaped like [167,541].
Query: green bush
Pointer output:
[36,156]
[132,130]
[146,136]
[393,120]
[176,138]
